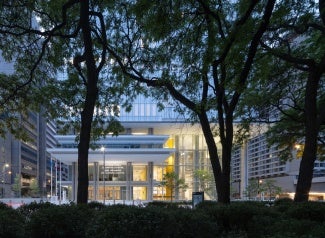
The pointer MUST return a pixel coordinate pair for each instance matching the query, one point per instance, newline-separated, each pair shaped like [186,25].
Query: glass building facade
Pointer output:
[135,163]
[132,166]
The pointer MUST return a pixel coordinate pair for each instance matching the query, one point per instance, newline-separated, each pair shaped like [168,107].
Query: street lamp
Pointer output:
[6,165]
[260,181]
[104,168]
[239,192]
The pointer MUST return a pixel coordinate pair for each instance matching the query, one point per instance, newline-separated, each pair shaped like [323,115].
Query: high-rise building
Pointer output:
[5,160]
[29,161]
[25,162]
[256,161]
[132,165]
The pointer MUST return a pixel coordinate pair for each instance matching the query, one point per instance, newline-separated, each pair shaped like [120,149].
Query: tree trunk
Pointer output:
[311,132]
[226,161]
[223,190]
[88,110]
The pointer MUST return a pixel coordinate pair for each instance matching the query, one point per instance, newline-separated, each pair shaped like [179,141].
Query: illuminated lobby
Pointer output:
[126,167]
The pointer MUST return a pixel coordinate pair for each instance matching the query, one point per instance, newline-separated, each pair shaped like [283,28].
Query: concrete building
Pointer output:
[25,162]
[154,142]
[132,164]
[256,161]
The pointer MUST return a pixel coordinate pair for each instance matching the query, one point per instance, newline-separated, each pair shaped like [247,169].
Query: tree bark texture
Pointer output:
[311,133]
[89,105]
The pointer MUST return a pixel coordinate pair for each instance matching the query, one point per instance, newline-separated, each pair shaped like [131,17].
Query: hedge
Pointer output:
[208,219]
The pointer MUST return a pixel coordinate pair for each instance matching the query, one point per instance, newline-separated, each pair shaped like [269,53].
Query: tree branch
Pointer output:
[102,37]
[49,35]
[321,8]
[252,52]
[241,21]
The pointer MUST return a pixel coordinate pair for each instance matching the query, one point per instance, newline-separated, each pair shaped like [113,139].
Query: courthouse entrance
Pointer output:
[122,168]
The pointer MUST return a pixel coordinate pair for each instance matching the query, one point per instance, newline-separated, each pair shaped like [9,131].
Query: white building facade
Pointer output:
[155,142]
[131,166]
[255,161]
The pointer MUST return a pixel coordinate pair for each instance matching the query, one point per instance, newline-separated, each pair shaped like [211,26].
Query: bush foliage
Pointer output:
[11,223]
[208,219]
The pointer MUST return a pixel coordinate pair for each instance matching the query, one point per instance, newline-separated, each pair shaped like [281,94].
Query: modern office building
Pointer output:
[256,161]
[5,161]
[131,166]
[25,162]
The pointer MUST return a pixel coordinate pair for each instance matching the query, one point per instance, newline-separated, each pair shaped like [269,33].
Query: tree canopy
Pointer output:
[201,53]
[172,182]
[290,85]
[206,55]
[59,53]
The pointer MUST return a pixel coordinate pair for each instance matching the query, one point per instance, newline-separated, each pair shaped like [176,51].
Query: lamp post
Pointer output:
[239,192]
[51,182]
[5,165]
[104,170]
[259,182]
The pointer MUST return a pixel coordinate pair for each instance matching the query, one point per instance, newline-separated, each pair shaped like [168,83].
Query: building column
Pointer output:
[243,183]
[74,181]
[150,181]
[150,131]
[176,165]
[196,162]
[129,176]
[96,180]
[16,162]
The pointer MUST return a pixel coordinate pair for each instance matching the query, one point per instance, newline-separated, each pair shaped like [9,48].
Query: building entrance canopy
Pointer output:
[137,149]
[158,156]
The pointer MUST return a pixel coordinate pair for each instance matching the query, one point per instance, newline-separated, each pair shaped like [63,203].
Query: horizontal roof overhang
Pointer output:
[120,139]
[136,155]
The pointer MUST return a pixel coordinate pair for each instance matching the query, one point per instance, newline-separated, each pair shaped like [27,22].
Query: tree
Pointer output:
[16,187]
[204,178]
[45,39]
[295,55]
[253,188]
[34,188]
[257,187]
[172,182]
[270,188]
[198,53]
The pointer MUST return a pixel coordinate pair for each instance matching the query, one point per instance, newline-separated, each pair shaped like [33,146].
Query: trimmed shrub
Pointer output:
[123,221]
[283,204]
[28,209]
[59,221]
[4,206]
[11,223]
[297,228]
[206,205]
[249,218]
[152,221]
[234,215]
[184,222]
[209,219]
[280,201]
[96,205]
[314,211]
[162,204]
